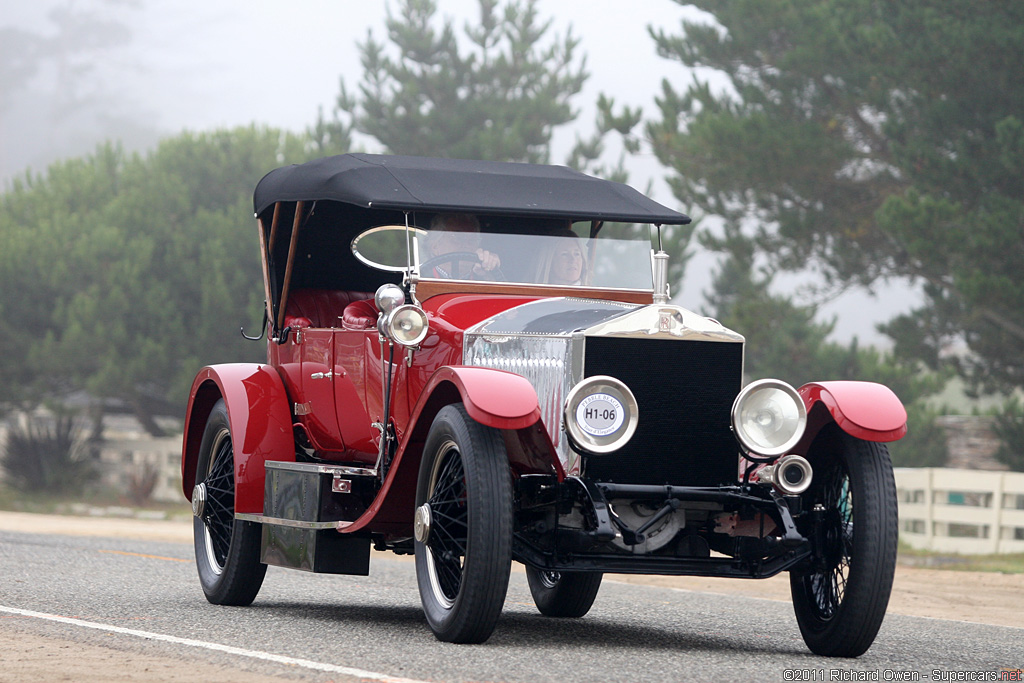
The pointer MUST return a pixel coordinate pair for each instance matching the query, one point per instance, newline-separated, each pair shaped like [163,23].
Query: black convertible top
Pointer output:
[376,181]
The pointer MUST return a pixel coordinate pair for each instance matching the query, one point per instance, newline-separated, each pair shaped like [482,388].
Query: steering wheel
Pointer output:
[457,257]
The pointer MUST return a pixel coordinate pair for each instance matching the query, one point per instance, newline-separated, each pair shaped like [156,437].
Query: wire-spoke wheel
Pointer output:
[227,550]
[841,601]
[464,527]
[563,594]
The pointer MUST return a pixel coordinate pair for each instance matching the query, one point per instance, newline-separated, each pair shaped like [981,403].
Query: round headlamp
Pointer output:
[389,296]
[768,417]
[407,325]
[600,415]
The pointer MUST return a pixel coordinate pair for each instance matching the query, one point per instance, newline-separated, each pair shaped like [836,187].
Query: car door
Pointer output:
[317,411]
[350,394]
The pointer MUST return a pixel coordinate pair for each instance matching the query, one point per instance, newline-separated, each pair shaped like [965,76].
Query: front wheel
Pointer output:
[227,550]
[463,527]
[563,594]
[841,601]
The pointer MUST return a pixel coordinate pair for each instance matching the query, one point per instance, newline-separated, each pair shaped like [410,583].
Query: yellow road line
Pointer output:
[151,557]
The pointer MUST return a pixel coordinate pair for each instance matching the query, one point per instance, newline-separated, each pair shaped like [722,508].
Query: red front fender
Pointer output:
[865,410]
[261,425]
[494,398]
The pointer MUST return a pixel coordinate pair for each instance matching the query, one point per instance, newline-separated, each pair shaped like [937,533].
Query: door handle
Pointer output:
[322,375]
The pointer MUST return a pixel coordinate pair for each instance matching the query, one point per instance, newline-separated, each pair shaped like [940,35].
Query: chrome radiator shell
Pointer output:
[545,341]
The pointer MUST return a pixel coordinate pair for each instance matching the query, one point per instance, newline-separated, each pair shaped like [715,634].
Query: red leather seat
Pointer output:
[360,315]
[322,307]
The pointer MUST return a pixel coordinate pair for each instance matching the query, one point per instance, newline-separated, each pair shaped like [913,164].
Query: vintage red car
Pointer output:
[478,362]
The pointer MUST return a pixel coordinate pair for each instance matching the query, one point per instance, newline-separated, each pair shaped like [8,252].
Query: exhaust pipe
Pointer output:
[790,475]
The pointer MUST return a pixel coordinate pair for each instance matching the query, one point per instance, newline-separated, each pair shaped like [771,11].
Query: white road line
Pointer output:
[241,652]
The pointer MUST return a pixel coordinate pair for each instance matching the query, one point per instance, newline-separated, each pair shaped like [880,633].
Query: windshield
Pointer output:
[562,259]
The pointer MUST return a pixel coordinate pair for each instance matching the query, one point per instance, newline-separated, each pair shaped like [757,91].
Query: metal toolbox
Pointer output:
[304,506]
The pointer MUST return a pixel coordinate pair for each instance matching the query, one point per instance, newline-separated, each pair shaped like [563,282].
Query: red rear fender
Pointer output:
[864,410]
[260,420]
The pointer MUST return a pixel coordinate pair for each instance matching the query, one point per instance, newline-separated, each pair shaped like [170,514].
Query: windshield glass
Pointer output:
[562,259]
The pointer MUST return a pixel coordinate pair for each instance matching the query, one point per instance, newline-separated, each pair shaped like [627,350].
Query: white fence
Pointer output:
[961,511]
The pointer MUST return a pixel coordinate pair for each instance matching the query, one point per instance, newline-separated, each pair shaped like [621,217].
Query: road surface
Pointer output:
[106,607]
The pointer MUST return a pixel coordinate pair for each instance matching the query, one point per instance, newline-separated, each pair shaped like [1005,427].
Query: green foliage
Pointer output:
[587,152]
[46,454]
[132,272]
[782,338]
[785,341]
[925,443]
[868,139]
[498,100]
[1009,427]
[497,94]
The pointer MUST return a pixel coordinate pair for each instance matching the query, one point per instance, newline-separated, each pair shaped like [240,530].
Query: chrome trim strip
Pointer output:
[320,468]
[296,523]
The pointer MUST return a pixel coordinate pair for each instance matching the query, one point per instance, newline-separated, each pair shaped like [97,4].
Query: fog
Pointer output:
[201,65]
[150,69]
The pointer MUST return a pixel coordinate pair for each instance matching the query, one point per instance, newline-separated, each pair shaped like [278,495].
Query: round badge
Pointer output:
[600,414]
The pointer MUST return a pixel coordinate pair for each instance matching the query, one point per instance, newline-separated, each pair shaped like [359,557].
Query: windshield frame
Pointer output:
[383,229]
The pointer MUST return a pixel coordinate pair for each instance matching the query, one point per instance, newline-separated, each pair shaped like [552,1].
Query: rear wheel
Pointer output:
[463,527]
[227,550]
[841,601]
[563,594]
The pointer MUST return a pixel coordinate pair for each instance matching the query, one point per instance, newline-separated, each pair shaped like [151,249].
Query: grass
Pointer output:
[97,501]
[1005,564]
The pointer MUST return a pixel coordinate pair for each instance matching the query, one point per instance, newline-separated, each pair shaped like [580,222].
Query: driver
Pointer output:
[452,233]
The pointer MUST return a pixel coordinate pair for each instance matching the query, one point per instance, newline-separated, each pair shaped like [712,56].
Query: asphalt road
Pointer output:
[364,627]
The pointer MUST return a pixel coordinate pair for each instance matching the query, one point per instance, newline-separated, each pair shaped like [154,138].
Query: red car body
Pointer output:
[346,436]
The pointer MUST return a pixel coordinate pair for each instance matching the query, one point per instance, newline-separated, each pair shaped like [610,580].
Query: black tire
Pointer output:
[563,594]
[227,550]
[841,602]
[463,566]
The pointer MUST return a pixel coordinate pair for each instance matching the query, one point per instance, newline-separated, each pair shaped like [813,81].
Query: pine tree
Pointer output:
[868,140]
[497,93]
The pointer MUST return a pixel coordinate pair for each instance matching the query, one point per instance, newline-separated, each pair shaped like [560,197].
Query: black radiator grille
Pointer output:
[685,390]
